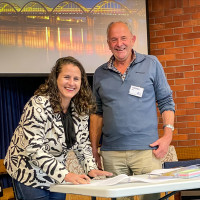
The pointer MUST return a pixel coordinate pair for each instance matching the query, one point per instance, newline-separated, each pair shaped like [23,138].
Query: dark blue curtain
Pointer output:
[14,93]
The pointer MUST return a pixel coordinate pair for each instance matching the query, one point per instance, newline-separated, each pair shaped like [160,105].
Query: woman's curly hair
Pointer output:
[84,102]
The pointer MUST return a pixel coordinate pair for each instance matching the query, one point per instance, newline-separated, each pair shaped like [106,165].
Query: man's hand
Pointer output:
[97,158]
[162,144]
[77,179]
[96,172]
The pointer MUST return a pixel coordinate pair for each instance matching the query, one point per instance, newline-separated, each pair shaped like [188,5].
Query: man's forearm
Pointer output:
[96,123]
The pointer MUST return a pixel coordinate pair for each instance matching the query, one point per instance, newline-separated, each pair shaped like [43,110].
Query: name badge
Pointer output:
[136,91]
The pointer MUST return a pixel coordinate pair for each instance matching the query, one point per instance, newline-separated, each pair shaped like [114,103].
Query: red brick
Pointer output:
[184,56]
[184,43]
[180,124]
[185,3]
[175,75]
[183,30]
[151,21]
[192,87]
[196,41]
[165,45]
[177,88]
[157,52]
[197,117]
[180,137]
[197,105]
[196,54]
[196,28]
[176,11]
[169,70]
[192,74]
[179,100]
[170,82]
[196,67]
[173,37]
[191,36]
[184,81]
[157,5]
[157,39]
[198,130]
[197,80]
[186,106]
[194,3]
[152,34]
[181,17]
[188,10]
[175,63]
[196,16]
[193,136]
[191,48]
[174,50]
[184,94]
[192,61]
[156,14]
[193,112]
[186,143]
[186,130]
[191,23]
[197,93]
[173,25]
[166,57]
[193,99]
[181,112]
[193,124]
[156,27]
[184,68]
[163,19]
[153,46]
[165,32]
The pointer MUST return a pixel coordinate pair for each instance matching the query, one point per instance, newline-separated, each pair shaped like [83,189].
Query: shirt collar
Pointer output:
[112,58]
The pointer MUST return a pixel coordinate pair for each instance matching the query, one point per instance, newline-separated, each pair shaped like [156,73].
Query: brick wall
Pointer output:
[174,27]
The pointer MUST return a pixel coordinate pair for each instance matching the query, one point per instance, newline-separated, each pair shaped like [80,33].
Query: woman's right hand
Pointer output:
[77,179]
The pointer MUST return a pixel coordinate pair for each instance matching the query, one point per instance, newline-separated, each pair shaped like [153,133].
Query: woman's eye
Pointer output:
[76,78]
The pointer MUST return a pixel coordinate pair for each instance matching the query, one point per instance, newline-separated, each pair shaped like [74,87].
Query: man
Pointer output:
[127,89]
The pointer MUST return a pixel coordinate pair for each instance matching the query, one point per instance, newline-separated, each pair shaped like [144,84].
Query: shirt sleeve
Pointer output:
[97,96]
[163,92]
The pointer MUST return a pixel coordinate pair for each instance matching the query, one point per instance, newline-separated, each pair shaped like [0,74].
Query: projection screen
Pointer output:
[34,34]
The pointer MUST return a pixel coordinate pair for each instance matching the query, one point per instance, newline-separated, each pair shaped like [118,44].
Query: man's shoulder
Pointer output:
[101,68]
[140,56]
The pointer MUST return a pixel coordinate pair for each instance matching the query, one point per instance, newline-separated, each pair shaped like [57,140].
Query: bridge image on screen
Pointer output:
[34,34]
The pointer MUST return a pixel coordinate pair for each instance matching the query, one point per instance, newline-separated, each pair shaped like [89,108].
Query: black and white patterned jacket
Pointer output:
[37,152]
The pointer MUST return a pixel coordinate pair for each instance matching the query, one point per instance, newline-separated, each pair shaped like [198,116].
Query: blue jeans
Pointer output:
[24,192]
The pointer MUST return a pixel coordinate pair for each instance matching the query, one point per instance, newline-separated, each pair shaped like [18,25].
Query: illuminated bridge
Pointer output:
[38,10]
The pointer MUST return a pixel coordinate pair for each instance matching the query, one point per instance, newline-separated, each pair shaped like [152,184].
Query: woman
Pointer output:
[54,121]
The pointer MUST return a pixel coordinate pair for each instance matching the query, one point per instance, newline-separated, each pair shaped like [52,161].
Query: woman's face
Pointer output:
[69,83]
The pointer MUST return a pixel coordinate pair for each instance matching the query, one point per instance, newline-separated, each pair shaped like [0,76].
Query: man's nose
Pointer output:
[119,42]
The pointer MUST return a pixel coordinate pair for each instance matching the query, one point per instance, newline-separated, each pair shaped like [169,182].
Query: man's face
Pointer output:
[120,41]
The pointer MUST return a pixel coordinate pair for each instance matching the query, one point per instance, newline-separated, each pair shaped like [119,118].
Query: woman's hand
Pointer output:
[96,172]
[77,179]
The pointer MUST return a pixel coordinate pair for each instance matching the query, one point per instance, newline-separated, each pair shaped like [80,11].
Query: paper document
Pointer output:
[123,178]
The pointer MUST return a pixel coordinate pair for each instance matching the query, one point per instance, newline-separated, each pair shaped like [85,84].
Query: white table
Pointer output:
[128,189]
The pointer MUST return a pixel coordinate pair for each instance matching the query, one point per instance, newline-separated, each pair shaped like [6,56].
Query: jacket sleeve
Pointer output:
[34,140]
[83,148]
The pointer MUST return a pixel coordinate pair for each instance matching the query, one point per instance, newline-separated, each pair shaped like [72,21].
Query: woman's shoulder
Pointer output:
[40,101]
